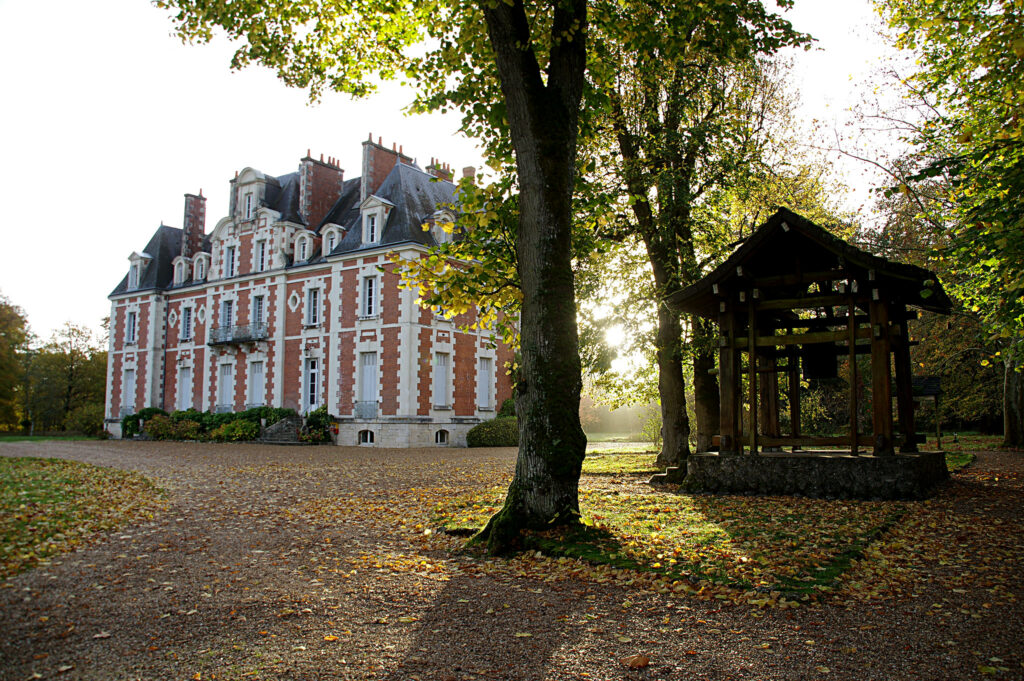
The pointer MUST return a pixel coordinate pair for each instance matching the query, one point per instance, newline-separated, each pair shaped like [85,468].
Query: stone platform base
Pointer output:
[818,474]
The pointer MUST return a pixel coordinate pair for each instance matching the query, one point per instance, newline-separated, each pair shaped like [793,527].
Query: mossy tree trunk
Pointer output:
[543,116]
[1013,404]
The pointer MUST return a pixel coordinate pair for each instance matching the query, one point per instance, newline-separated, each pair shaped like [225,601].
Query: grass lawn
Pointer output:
[755,548]
[48,506]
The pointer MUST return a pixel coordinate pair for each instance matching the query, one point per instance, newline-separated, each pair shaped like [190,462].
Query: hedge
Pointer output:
[500,432]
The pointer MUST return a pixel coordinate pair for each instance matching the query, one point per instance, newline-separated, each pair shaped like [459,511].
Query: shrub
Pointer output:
[318,426]
[235,431]
[166,428]
[130,423]
[191,414]
[508,408]
[86,419]
[499,432]
[271,414]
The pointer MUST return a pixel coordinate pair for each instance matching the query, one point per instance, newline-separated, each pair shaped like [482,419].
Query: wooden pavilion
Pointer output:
[793,300]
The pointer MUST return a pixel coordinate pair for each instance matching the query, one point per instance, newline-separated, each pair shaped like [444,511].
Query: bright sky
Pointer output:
[108,121]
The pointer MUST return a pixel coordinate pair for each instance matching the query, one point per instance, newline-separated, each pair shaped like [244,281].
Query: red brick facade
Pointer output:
[372,364]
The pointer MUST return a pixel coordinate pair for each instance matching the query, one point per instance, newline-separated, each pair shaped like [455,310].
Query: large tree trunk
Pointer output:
[543,119]
[706,400]
[1013,404]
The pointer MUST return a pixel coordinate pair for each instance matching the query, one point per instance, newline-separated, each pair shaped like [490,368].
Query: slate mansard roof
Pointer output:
[415,194]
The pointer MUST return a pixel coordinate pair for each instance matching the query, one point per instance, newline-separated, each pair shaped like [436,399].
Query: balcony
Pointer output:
[246,333]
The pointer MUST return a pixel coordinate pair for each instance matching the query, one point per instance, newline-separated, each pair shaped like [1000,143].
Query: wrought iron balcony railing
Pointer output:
[245,333]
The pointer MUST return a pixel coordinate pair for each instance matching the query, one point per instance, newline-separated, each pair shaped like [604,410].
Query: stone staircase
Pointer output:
[672,475]
[284,432]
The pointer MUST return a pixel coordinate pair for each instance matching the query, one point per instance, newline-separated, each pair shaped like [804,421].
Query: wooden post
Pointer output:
[881,375]
[904,385]
[768,395]
[729,382]
[851,325]
[794,393]
[752,365]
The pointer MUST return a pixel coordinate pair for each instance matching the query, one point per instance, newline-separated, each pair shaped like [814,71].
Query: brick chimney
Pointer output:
[469,171]
[194,226]
[439,170]
[320,184]
[378,161]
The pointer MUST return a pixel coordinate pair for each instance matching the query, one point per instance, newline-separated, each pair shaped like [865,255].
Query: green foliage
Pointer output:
[271,414]
[508,408]
[160,427]
[130,422]
[970,70]
[14,338]
[235,431]
[318,426]
[500,432]
[86,419]
[651,429]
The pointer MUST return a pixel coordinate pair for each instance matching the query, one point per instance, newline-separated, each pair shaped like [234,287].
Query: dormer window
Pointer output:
[301,249]
[375,211]
[249,205]
[133,276]
[331,239]
[201,269]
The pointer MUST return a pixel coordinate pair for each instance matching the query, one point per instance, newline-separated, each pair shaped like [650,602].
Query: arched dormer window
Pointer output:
[182,270]
[202,266]
[303,248]
[249,190]
[331,239]
[442,226]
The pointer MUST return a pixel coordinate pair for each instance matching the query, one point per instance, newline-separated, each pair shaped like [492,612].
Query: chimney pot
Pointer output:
[380,141]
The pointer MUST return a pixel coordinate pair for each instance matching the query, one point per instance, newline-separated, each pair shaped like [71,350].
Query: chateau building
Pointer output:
[293,301]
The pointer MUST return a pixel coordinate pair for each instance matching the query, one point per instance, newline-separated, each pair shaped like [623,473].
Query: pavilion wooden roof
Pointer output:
[789,251]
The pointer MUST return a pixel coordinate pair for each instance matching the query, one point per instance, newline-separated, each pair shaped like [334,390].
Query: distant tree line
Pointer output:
[56,385]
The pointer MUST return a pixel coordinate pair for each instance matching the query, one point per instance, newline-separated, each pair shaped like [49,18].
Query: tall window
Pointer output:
[128,391]
[185,388]
[302,249]
[369,296]
[371,229]
[227,313]
[261,255]
[130,328]
[257,310]
[179,273]
[256,384]
[368,377]
[226,388]
[312,307]
[250,205]
[200,270]
[312,383]
[485,383]
[133,276]
[229,261]
[441,398]
[186,323]
[330,242]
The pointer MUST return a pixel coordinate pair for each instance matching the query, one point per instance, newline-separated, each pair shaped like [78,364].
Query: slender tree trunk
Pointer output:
[707,399]
[543,119]
[675,424]
[1013,404]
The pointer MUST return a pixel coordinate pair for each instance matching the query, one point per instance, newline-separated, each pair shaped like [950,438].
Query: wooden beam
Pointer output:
[851,330]
[793,279]
[904,390]
[804,338]
[805,440]
[728,384]
[793,372]
[752,358]
[881,379]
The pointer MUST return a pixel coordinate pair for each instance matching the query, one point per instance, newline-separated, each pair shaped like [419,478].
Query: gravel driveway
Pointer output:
[304,563]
